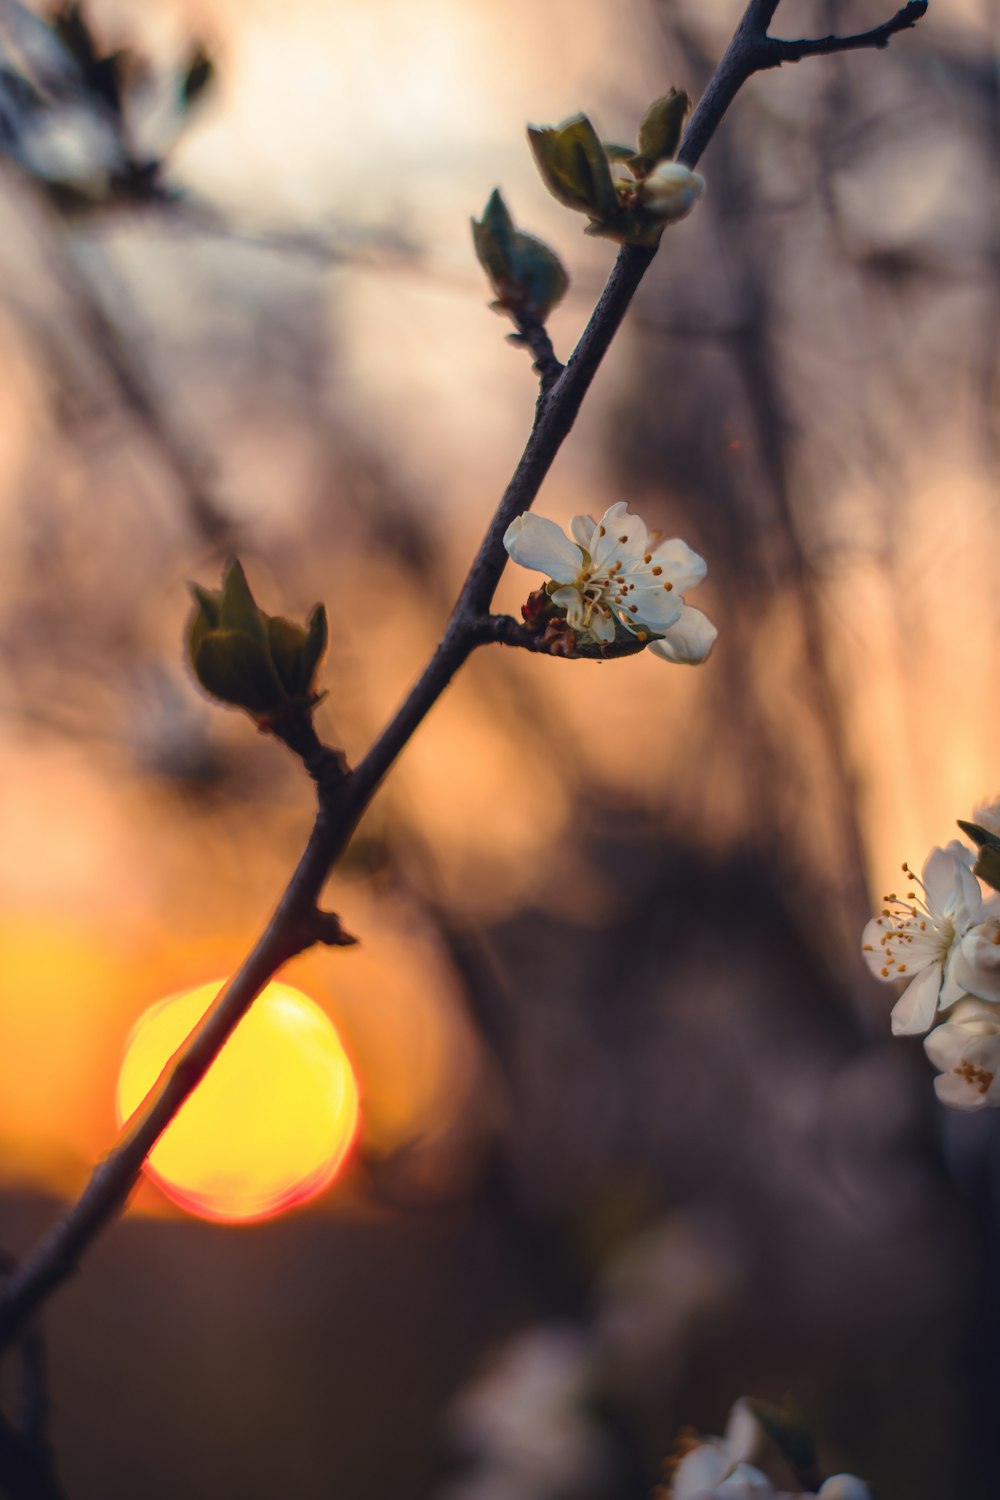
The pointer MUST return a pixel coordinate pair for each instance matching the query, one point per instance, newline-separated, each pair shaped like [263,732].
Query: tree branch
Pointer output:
[779,51]
[343,796]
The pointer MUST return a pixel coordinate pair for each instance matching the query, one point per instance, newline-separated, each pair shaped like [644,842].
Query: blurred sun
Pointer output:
[272,1122]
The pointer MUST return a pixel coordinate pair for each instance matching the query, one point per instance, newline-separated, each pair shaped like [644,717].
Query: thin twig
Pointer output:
[27,1469]
[779,51]
[343,797]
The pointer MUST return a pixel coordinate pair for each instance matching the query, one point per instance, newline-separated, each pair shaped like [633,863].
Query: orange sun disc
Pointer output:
[271,1123]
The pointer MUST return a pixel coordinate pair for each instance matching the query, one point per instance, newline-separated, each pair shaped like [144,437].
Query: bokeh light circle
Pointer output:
[271,1123]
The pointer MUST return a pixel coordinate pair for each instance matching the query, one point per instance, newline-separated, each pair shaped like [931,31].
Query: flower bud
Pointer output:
[670,191]
[242,656]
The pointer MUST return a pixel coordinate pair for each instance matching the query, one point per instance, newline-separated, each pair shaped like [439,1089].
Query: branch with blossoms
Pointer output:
[613,590]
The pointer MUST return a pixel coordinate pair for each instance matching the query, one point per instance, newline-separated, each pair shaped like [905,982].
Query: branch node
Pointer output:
[324,927]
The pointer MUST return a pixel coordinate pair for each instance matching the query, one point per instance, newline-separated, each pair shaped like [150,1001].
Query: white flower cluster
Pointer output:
[721,1468]
[617,573]
[943,938]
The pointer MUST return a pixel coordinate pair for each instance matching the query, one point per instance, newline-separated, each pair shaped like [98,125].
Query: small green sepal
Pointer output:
[242,656]
[980,836]
[987,865]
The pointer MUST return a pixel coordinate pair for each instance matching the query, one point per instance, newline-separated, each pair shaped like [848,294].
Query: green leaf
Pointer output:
[317,636]
[525,274]
[544,142]
[584,155]
[661,126]
[641,166]
[237,669]
[238,609]
[296,651]
[492,237]
[204,618]
[573,166]
[286,641]
[614,152]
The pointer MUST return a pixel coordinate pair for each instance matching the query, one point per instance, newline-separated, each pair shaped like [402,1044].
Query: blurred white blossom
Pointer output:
[525,1421]
[748,1464]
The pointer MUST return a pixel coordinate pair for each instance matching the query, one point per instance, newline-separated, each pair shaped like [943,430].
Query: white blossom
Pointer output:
[710,1471]
[617,572]
[843,1487]
[916,939]
[671,190]
[966,1052]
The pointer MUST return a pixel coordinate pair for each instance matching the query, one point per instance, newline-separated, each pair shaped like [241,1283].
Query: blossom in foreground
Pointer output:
[916,939]
[966,1052]
[616,574]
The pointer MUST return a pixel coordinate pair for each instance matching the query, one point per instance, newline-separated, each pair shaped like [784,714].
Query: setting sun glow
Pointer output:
[270,1125]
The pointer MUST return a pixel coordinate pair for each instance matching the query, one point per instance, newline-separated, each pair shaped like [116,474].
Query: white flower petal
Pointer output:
[651,606]
[956,1093]
[700,1471]
[916,1007]
[571,600]
[871,943]
[940,876]
[582,529]
[975,964]
[684,568]
[967,899]
[689,641]
[536,542]
[624,537]
[951,990]
[602,625]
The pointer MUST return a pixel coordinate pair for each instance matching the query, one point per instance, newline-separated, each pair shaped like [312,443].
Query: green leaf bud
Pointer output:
[262,663]
[526,275]
[238,670]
